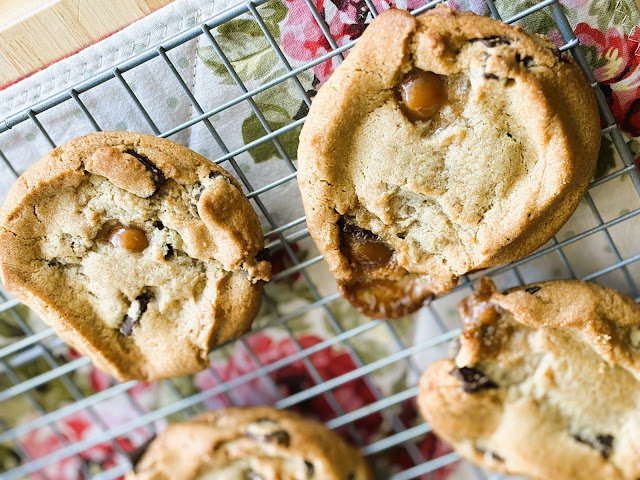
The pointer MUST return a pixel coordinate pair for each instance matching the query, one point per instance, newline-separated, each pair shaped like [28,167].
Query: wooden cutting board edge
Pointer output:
[35,33]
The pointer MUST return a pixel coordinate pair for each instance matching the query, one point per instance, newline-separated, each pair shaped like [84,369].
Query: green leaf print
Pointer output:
[273,13]
[346,316]
[593,57]
[249,52]
[540,22]
[48,395]
[400,385]
[8,458]
[253,66]
[8,327]
[277,117]
[615,13]
[606,158]
[634,147]
[246,46]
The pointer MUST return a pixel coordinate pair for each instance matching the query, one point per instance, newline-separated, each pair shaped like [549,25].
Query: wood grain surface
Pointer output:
[35,33]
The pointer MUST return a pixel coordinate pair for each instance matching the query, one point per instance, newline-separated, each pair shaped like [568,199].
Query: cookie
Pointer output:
[443,144]
[139,252]
[546,383]
[257,443]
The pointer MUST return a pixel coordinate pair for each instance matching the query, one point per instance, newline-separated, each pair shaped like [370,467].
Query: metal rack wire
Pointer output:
[42,345]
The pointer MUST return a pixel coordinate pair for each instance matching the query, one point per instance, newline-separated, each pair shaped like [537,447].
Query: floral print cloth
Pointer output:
[608,32]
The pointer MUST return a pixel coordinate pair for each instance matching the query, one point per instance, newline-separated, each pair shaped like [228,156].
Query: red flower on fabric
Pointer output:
[290,379]
[83,425]
[430,446]
[74,428]
[616,69]
[303,39]
[295,377]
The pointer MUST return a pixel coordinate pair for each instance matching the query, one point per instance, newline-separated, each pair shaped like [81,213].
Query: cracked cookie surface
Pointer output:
[257,443]
[446,143]
[546,382]
[139,252]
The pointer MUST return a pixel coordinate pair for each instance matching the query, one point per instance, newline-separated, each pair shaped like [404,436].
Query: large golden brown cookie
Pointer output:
[258,443]
[443,144]
[546,383]
[139,252]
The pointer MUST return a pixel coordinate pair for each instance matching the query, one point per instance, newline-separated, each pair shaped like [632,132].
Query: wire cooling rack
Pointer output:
[40,345]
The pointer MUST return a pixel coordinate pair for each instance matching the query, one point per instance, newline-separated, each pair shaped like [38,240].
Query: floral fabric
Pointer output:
[608,31]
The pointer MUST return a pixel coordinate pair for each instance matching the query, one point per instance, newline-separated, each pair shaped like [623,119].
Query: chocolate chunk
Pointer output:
[532,290]
[136,454]
[494,455]
[278,436]
[263,254]
[559,55]
[169,251]
[310,468]
[603,443]
[156,174]
[129,321]
[252,475]
[492,41]
[473,380]
[490,76]
[359,233]
[158,224]
[526,61]
[214,174]
[193,202]
[363,247]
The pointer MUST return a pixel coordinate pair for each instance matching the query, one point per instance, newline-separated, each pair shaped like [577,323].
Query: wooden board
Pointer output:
[35,33]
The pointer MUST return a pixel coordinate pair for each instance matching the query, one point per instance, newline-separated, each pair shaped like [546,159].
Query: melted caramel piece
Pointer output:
[132,239]
[378,288]
[478,309]
[422,94]
[386,297]
[481,319]
[363,248]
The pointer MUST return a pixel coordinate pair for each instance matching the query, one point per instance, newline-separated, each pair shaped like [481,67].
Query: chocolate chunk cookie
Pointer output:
[546,383]
[258,443]
[443,144]
[139,252]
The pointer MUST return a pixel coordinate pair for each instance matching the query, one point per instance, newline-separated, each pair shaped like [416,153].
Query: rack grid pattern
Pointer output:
[42,345]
